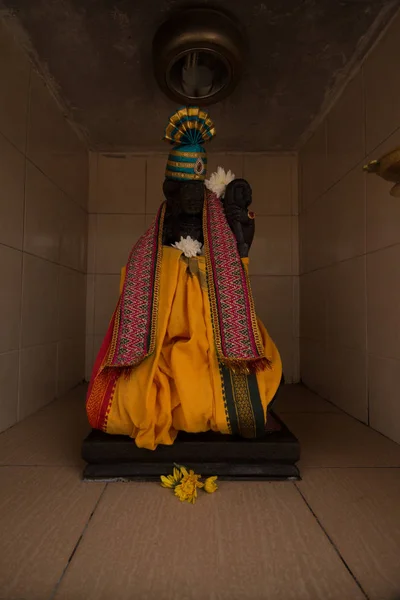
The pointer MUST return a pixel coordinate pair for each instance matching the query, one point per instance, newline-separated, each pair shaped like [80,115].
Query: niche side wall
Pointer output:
[43,231]
[350,248]
[125,193]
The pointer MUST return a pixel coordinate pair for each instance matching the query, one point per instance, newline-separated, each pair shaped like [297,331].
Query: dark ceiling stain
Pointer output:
[99,54]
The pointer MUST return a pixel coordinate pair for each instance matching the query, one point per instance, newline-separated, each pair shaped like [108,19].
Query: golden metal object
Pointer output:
[180,175]
[180,153]
[387,167]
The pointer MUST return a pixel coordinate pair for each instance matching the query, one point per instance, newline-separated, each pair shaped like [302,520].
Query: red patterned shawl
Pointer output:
[236,332]
[131,335]
[135,320]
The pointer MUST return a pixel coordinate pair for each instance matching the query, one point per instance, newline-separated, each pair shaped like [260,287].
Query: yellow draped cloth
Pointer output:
[181,386]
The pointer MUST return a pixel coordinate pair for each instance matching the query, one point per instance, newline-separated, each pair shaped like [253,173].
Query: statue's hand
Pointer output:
[234,213]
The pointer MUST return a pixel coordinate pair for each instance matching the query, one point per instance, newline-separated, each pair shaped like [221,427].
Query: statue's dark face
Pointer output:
[238,192]
[185,197]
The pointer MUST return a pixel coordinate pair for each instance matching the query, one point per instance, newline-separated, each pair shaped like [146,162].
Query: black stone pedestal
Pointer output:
[271,458]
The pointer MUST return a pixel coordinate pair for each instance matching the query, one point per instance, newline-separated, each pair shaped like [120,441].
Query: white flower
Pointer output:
[218,181]
[188,246]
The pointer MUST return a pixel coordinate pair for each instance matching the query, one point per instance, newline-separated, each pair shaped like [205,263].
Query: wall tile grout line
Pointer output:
[332,264]
[338,262]
[5,137]
[20,336]
[53,262]
[337,346]
[332,542]
[344,413]
[367,359]
[67,195]
[57,585]
[3,353]
[354,166]
[52,342]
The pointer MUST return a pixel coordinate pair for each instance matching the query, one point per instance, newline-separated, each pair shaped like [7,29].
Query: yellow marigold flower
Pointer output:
[171,480]
[210,486]
[177,474]
[167,482]
[186,490]
[184,471]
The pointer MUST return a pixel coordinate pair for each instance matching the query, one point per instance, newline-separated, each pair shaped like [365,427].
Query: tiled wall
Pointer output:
[350,248]
[43,225]
[125,193]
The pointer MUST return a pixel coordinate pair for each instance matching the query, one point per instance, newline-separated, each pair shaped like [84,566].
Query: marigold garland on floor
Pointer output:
[185,484]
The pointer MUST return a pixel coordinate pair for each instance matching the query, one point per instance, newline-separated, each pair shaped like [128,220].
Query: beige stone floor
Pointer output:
[333,536]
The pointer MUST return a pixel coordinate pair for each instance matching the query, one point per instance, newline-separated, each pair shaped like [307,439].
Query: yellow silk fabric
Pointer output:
[179,386]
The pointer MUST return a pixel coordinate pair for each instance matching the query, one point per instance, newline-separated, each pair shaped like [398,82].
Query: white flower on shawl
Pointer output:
[218,181]
[189,246]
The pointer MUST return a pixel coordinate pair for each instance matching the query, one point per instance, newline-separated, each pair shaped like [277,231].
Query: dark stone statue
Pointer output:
[183,216]
[270,457]
[186,364]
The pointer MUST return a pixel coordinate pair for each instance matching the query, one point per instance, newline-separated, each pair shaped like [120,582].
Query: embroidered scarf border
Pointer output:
[236,333]
[134,331]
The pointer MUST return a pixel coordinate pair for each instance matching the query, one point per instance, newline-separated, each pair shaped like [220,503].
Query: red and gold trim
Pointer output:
[236,333]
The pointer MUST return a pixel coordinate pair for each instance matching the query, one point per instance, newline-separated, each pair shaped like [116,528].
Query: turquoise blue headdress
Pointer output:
[187,130]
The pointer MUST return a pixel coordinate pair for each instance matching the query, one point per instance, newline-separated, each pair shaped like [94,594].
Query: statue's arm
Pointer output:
[249,228]
[240,218]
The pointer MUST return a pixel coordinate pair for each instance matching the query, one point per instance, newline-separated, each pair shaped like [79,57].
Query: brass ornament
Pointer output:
[387,167]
